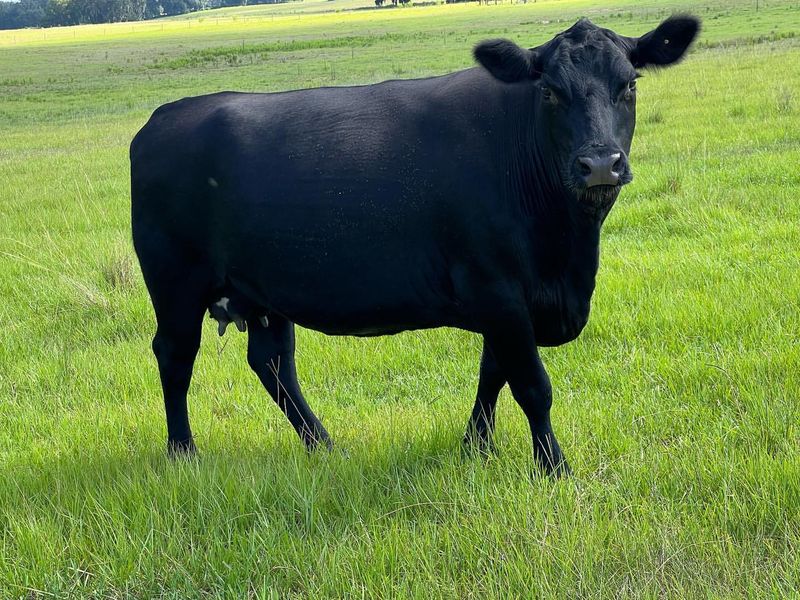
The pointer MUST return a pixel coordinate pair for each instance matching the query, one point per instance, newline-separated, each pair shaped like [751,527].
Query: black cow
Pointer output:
[269,210]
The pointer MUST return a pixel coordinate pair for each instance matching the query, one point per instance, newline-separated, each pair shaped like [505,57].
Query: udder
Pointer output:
[235,309]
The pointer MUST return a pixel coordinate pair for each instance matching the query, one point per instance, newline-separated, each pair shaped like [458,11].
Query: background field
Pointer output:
[677,407]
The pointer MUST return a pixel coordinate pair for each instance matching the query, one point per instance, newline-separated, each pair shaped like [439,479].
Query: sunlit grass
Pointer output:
[678,406]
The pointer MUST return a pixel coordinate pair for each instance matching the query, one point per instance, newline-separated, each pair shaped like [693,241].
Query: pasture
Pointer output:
[677,407]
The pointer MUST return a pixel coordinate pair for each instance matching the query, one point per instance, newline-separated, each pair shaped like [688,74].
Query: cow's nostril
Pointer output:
[585,166]
[618,164]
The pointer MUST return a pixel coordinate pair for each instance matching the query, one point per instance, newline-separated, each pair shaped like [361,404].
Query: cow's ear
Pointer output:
[506,61]
[666,44]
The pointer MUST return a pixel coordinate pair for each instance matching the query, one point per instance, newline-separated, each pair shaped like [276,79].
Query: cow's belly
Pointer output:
[372,308]
[364,289]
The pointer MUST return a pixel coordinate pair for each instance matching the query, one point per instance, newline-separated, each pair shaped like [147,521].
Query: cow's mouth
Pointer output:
[599,196]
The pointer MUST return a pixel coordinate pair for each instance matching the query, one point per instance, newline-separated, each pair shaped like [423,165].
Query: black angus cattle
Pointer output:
[484,214]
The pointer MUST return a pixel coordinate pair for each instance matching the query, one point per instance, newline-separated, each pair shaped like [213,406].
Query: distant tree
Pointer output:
[45,13]
[26,13]
[178,7]
[153,9]
[32,11]
[8,15]
[56,12]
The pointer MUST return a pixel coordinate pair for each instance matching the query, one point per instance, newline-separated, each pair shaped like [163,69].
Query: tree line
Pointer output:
[50,13]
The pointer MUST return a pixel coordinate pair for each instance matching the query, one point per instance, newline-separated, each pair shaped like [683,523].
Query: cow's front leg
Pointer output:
[480,429]
[514,347]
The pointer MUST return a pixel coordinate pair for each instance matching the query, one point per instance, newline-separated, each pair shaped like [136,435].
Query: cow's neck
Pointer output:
[564,239]
[566,253]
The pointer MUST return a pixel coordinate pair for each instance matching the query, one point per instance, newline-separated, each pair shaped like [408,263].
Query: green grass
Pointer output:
[678,406]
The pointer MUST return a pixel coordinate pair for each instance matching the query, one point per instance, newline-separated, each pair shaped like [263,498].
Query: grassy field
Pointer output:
[677,408]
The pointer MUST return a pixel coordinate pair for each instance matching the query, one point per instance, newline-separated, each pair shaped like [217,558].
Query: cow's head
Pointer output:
[583,85]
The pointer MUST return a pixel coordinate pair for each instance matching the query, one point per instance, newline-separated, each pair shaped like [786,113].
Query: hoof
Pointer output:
[548,456]
[556,469]
[477,445]
[181,449]
[319,445]
[559,471]
[315,438]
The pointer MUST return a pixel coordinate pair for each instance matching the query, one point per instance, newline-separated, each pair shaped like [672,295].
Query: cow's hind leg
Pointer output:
[270,353]
[179,301]
[175,345]
[480,429]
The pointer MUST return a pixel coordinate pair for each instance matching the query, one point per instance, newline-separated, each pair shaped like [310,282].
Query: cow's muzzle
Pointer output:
[602,168]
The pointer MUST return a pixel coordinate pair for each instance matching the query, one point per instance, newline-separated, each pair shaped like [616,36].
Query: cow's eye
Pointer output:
[547,94]
[630,90]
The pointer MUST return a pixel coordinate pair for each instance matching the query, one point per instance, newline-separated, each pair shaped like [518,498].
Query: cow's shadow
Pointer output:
[279,484]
